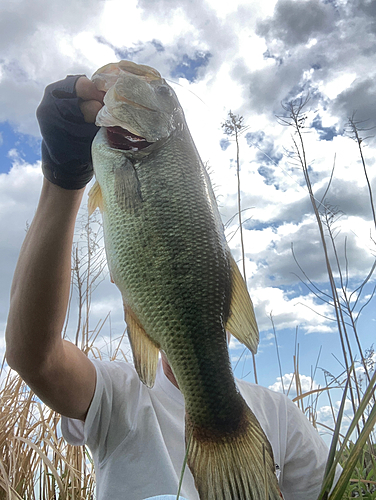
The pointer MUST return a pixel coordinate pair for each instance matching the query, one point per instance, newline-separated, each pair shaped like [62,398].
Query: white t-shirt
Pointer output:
[136,436]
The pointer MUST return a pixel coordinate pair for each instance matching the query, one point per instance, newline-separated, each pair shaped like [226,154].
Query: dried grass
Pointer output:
[35,461]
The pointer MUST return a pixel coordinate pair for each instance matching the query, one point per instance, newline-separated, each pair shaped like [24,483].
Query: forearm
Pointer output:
[41,284]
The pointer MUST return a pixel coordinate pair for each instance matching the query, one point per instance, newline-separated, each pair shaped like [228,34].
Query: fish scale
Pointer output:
[158,218]
[190,302]
[181,288]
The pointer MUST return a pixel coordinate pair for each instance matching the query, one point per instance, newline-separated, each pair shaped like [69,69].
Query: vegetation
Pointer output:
[358,477]
[355,451]
[35,461]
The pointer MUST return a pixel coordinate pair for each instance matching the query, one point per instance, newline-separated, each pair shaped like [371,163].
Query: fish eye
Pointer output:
[164,90]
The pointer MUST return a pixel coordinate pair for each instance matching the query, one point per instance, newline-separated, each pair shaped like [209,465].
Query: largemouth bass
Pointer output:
[181,288]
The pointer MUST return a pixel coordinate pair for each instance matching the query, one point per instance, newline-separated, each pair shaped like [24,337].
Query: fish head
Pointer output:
[140,108]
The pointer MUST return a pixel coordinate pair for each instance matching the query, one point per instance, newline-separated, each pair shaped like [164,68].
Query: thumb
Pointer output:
[90,110]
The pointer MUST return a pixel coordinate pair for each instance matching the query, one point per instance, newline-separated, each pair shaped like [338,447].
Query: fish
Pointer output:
[181,287]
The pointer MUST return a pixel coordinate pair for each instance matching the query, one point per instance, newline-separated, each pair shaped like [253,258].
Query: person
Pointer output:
[136,434]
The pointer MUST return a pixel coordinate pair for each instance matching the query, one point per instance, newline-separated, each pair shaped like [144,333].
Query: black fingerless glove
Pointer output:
[67,138]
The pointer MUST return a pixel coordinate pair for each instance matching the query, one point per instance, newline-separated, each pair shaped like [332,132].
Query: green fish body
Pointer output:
[181,288]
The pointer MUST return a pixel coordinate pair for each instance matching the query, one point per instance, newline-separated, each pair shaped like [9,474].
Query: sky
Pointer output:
[250,57]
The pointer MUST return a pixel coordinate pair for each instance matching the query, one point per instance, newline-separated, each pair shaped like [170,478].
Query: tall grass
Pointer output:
[356,450]
[35,461]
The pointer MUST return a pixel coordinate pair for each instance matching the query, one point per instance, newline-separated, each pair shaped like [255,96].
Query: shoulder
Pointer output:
[115,369]
[115,406]
[275,411]
[117,372]
[259,396]
[298,448]
[270,409]
[269,403]
[116,381]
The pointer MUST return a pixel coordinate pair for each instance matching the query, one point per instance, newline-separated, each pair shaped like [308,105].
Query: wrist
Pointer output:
[58,200]
[72,175]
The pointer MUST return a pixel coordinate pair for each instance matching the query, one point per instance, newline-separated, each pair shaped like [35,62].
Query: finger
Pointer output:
[86,90]
[90,110]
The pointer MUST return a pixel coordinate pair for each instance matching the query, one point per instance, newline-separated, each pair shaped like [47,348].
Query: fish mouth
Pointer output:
[120,138]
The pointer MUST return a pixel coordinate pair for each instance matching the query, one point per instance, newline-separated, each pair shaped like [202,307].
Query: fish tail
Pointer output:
[232,466]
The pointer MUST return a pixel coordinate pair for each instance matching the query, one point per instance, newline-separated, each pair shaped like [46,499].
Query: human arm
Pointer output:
[59,373]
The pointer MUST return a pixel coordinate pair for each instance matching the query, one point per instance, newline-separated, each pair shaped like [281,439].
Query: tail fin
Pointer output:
[234,466]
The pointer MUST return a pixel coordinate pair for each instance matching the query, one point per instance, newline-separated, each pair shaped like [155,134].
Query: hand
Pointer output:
[66,119]
[92,98]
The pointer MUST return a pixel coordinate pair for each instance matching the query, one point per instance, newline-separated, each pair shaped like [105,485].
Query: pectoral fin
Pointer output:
[242,321]
[145,351]
[127,187]
[95,198]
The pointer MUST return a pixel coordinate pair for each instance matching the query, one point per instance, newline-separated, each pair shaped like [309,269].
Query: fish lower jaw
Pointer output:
[121,138]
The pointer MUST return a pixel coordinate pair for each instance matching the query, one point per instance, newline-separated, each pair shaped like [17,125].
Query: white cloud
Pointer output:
[327,415]
[235,344]
[288,383]
[261,53]
[333,88]
[302,311]
[19,192]
[236,358]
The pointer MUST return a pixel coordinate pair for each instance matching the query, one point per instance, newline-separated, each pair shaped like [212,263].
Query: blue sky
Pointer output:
[26,146]
[244,56]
